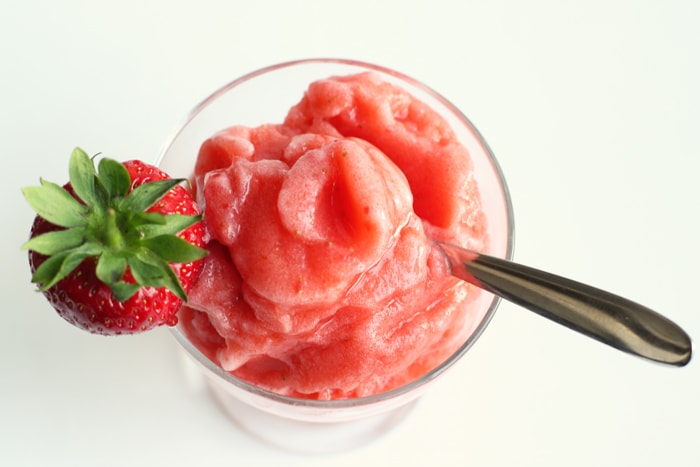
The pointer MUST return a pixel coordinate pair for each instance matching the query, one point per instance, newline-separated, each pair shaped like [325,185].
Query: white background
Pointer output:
[592,108]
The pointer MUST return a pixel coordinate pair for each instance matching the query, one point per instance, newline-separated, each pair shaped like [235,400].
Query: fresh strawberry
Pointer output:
[115,250]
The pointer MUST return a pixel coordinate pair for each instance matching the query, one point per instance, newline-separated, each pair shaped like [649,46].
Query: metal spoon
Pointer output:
[609,318]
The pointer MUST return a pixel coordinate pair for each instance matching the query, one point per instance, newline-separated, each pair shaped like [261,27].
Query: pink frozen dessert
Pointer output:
[322,281]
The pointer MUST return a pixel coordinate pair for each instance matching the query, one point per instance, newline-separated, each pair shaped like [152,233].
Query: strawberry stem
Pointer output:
[113,235]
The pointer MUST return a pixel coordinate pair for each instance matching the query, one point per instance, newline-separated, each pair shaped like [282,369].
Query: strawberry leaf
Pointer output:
[144,196]
[174,223]
[55,204]
[110,268]
[56,241]
[82,177]
[173,249]
[150,270]
[60,265]
[114,178]
[122,291]
[142,219]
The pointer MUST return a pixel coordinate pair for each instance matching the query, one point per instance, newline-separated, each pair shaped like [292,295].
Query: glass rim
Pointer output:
[224,375]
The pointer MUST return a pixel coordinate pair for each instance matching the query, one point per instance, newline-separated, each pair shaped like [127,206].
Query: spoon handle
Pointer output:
[609,318]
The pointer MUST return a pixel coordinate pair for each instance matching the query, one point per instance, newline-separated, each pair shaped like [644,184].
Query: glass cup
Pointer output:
[314,426]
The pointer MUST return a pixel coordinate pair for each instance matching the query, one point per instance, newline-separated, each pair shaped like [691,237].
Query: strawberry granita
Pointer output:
[322,281]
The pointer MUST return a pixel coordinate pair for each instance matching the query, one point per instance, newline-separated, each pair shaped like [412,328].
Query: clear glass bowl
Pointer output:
[265,96]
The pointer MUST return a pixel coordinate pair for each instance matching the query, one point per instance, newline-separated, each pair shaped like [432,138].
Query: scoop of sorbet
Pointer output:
[323,281]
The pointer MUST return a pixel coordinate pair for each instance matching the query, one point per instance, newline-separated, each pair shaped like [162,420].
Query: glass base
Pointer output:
[309,437]
[301,435]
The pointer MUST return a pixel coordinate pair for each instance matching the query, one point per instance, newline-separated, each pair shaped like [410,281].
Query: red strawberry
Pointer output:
[115,251]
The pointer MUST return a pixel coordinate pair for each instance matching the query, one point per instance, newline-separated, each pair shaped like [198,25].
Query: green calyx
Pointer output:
[111,224]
